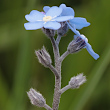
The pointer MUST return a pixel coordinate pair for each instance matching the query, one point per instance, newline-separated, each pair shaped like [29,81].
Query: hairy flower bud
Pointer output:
[76,81]
[49,32]
[63,29]
[43,57]
[36,98]
[76,45]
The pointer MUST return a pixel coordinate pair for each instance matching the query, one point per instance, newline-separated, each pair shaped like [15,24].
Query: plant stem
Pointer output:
[57,95]
[47,107]
[65,89]
[58,39]
[54,71]
[64,56]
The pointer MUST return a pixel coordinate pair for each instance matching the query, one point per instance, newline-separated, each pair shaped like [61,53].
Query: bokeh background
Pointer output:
[19,67]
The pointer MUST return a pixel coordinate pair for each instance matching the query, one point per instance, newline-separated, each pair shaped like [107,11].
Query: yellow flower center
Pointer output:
[47,18]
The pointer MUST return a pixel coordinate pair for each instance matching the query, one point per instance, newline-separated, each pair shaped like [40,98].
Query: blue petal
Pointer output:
[54,11]
[88,46]
[63,18]
[33,25]
[91,52]
[34,16]
[72,27]
[67,11]
[46,8]
[52,25]
[62,6]
[79,22]
[75,36]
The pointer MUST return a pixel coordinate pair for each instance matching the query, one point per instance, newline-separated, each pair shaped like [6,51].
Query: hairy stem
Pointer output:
[54,71]
[64,56]
[47,107]
[58,39]
[55,47]
[56,98]
[65,89]
[57,94]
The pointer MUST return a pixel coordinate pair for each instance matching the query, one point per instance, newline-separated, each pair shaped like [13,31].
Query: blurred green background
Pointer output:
[19,67]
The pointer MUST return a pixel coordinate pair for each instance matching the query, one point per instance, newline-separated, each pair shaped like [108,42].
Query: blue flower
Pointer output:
[88,46]
[49,20]
[79,22]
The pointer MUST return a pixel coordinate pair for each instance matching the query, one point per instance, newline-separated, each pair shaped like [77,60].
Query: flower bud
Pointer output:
[36,98]
[76,81]
[63,29]
[43,57]
[76,45]
[49,32]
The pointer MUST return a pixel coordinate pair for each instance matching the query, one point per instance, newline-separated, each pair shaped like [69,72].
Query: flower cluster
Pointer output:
[59,19]
[48,20]
[51,21]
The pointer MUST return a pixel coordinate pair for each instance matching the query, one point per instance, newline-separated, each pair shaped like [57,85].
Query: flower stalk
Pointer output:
[56,98]
[58,20]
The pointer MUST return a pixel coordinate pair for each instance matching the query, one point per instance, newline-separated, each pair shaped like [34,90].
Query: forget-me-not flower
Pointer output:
[49,20]
[88,46]
[79,22]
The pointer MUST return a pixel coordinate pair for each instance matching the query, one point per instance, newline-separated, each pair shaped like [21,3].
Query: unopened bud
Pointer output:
[76,81]
[76,45]
[36,98]
[63,29]
[49,32]
[43,57]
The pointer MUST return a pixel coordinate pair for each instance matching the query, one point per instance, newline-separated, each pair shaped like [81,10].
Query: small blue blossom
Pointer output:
[48,20]
[79,22]
[88,46]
